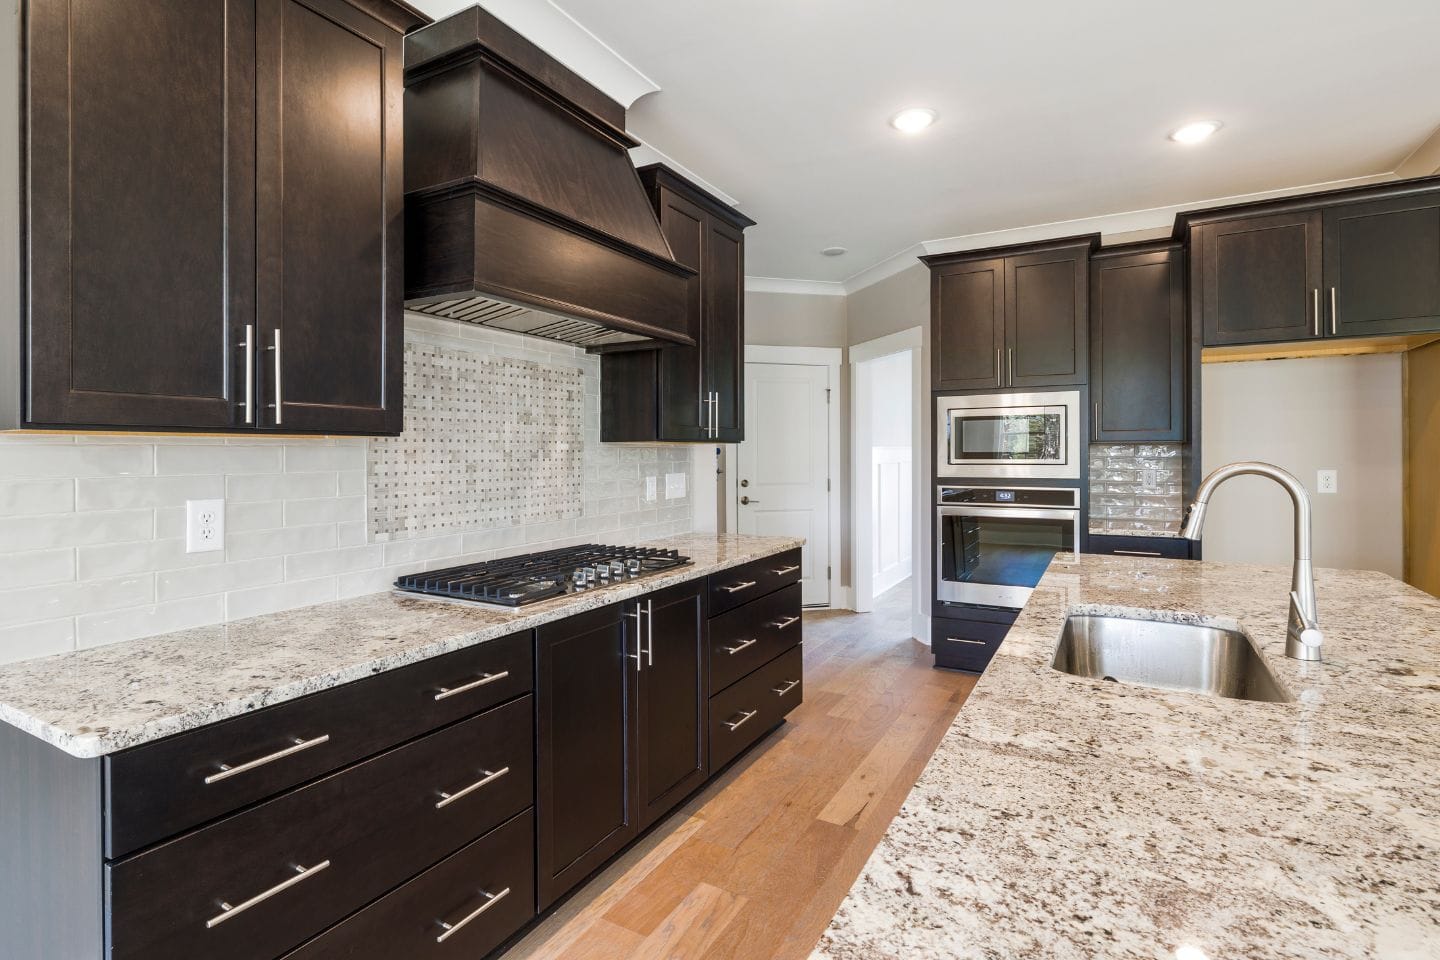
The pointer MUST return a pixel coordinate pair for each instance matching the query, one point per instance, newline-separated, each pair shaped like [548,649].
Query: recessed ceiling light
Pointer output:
[1195,132]
[913,119]
[834,252]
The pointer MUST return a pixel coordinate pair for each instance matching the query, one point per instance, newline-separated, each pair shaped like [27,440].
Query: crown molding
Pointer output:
[563,37]
[809,288]
[648,153]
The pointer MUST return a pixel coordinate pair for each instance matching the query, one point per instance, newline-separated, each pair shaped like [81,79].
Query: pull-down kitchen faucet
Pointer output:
[1302,636]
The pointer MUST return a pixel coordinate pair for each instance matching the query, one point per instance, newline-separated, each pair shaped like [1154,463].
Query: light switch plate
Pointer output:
[204,526]
[1150,478]
[1327,481]
[674,486]
[649,489]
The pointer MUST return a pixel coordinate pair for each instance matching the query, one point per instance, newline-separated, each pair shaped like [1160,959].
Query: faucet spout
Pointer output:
[1302,637]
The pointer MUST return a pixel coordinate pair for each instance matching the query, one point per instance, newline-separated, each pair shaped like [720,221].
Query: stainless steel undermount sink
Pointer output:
[1169,656]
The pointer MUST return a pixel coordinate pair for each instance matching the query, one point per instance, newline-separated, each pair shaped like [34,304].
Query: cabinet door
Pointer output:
[967,316]
[682,411]
[140,212]
[1259,278]
[1137,347]
[671,727]
[1382,266]
[584,688]
[724,328]
[1045,318]
[329,212]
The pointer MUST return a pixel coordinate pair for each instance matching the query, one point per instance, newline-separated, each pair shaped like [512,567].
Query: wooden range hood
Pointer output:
[523,210]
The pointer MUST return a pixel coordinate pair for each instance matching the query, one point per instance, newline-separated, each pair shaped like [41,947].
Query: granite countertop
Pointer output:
[1161,534]
[1070,819]
[94,702]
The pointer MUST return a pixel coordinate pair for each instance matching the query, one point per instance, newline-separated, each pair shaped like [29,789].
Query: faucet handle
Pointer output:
[1309,633]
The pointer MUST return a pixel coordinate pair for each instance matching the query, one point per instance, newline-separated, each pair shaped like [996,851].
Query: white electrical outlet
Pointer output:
[1327,481]
[674,486]
[1150,479]
[204,526]
[649,489]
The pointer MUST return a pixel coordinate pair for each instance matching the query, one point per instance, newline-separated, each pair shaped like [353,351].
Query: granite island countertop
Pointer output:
[93,702]
[1072,819]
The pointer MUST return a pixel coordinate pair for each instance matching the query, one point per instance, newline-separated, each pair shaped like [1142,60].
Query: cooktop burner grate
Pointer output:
[532,577]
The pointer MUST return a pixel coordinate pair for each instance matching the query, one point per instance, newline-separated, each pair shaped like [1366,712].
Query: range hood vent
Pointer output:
[484,312]
[523,210]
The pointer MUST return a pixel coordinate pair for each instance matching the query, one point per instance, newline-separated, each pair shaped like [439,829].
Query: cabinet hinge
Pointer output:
[827,484]
[828,574]
[827,394]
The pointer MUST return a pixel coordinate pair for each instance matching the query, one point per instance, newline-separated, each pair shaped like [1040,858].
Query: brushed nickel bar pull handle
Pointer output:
[1139,553]
[787,622]
[453,928]
[227,911]
[999,367]
[1315,298]
[1334,313]
[227,771]
[490,777]
[745,716]
[649,633]
[784,570]
[737,587]
[781,691]
[1095,429]
[447,692]
[639,655]
[715,414]
[743,646]
[249,402]
[976,643]
[1011,352]
[279,395]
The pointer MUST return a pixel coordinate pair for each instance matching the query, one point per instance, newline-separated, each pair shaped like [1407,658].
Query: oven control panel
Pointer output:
[1067,497]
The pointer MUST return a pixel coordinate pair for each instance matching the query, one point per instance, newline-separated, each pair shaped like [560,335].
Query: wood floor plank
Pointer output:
[755,865]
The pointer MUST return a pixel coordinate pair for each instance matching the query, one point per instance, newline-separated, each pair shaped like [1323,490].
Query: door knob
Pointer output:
[746,501]
[744,483]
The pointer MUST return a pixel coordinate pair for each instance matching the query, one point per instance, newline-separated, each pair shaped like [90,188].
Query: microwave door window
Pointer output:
[1009,437]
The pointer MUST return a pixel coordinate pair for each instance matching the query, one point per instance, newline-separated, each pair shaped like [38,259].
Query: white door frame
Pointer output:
[862,521]
[830,358]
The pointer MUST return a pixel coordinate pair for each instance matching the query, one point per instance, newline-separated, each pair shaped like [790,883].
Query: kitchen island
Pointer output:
[1073,819]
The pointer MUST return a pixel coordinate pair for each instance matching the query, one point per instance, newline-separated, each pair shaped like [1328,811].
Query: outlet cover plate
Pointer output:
[1327,481]
[204,526]
[674,486]
[649,489]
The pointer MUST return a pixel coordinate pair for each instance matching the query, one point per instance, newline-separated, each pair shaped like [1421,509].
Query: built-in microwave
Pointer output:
[1008,435]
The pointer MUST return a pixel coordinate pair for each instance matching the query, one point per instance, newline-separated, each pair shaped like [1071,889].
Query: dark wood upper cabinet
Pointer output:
[1138,345]
[1046,329]
[1017,320]
[967,315]
[140,258]
[686,393]
[1257,279]
[672,700]
[244,184]
[330,216]
[1382,266]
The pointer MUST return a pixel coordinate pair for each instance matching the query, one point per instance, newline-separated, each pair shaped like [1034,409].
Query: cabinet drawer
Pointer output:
[486,892]
[749,709]
[1174,548]
[160,789]
[730,588]
[751,636]
[358,833]
[966,644]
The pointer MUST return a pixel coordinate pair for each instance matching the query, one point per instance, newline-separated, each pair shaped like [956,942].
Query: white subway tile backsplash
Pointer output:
[34,567]
[1121,499]
[20,498]
[27,459]
[92,527]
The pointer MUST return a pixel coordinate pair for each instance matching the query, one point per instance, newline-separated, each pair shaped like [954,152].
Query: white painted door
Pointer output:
[784,462]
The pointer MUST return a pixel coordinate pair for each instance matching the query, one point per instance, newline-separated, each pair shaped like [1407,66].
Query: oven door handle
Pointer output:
[1019,513]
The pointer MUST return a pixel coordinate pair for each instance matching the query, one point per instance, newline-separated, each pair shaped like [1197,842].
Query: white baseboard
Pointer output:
[843,598]
[920,624]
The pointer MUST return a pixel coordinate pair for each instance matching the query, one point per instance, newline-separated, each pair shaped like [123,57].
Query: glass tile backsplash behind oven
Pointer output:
[1136,487]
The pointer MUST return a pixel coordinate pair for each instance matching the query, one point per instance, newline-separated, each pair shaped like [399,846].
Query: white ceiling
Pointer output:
[1050,110]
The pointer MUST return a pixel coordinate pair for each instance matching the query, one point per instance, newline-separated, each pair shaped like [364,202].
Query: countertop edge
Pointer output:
[94,746]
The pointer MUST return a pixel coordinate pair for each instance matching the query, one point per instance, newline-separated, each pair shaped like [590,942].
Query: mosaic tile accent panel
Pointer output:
[489,440]
[1136,488]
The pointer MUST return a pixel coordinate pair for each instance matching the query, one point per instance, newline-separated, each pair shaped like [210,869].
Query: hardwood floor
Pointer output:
[755,865]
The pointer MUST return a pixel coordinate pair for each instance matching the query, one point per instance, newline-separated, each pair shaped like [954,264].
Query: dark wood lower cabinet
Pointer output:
[1174,548]
[496,780]
[585,688]
[967,638]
